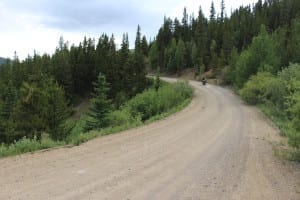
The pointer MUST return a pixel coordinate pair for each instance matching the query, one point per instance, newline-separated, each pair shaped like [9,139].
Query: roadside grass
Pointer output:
[28,145]
[144,108]
[278,118]
[286,129]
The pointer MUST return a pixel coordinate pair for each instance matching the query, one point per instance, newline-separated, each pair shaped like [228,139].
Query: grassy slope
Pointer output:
[281,121]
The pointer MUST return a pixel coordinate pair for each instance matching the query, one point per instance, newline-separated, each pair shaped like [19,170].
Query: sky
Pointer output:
[36,25]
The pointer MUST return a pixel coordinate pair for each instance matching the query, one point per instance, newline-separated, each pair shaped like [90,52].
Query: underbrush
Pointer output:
[27,145]
[278,96]
[286,128]
[144,108]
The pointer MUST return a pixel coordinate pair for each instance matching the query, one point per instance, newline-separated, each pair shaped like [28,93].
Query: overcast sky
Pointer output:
[28,25]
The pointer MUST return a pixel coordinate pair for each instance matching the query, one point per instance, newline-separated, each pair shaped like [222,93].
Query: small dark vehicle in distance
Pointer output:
[203,80]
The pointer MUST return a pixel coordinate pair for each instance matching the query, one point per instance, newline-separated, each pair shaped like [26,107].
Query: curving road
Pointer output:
[216,148]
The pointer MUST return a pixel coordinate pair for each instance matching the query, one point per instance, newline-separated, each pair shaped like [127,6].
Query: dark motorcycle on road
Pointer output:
[203,81]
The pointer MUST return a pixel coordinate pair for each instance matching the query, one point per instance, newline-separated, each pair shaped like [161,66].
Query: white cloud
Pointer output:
[37,24]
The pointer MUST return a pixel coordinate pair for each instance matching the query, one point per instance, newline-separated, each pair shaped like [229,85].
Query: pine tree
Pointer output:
[124,51]
[139,67]
[7,104]
[57,110]
[112,68]
[100,105]
[212,16]
[153,55]
[188,55]
[201,38]
[230,75]
[177,29]
[170,60]
[138,40]
[228,40]
[30,113]
[195,56]
[124,71]
[185,26]
[102,53]
[62,69]
[144,46]
[9,100]
[163,40]
[222,10]
[294,42]
[213,55]
[179,56]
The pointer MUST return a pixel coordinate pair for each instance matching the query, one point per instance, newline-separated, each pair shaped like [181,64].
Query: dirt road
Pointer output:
[216,148]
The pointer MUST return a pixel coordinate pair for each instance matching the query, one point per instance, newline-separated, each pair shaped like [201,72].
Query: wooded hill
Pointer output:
[208,43]
[36,94]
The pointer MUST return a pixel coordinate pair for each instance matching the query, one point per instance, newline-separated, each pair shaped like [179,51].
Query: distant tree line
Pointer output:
[36,94]
[207,43]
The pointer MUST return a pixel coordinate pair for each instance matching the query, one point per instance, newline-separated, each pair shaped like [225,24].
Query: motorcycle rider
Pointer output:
[203,80]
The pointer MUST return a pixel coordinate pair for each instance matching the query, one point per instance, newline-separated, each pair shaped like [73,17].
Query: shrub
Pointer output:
[280,96]
[291,72]
[293,104]
[291,78]
[121,117]
[256,88]
[276,92]
[151,102]
[294,137]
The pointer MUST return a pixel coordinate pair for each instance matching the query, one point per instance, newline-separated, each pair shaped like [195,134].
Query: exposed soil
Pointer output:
[216,148]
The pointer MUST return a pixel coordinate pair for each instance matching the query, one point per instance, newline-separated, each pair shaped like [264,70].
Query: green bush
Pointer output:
[280,99]
[293,103]
[151,102]
[291,78]
[291,72]
[121,117]
[294,137]
[276,92]
[255,90]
